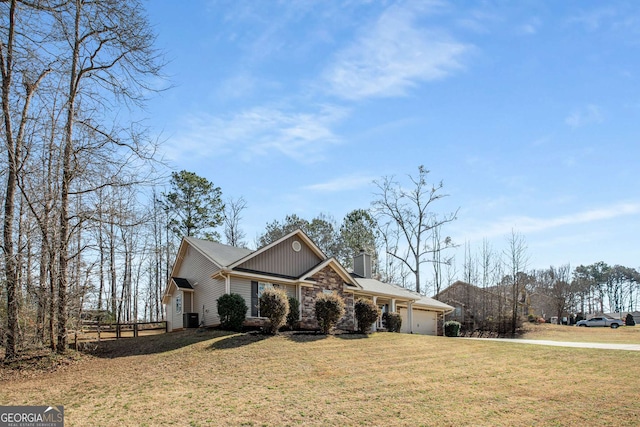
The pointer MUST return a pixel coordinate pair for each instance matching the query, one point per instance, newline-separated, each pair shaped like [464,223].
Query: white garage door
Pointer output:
[424,322]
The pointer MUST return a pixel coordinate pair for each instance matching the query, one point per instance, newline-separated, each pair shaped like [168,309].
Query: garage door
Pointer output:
[424,322]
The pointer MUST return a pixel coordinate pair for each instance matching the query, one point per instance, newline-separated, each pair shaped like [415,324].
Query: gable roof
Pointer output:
[337,267]
[376,287]
[298,233]
[182,283]
[427,302]
[222,255]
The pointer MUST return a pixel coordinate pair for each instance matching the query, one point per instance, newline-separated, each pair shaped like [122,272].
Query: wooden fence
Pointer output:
[95,331]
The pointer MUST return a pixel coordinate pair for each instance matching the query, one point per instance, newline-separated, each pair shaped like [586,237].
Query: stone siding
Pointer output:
[326,279]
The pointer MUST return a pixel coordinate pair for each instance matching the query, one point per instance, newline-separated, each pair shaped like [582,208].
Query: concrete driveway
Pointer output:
[604,346]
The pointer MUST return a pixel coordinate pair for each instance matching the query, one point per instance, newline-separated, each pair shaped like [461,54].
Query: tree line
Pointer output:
[90,225]
[508,291]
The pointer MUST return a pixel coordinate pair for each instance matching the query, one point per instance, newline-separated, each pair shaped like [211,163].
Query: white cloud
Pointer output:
[593,19]
[257,132]
[344,183]
[526,224]
[393,56]
[587,115]
[530,27]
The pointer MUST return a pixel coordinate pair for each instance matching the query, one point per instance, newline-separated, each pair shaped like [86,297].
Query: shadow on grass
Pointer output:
[151,344]
[302,337]
[238,340]
[311,336]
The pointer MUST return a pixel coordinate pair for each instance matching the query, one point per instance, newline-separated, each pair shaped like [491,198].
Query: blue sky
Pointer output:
[529,112]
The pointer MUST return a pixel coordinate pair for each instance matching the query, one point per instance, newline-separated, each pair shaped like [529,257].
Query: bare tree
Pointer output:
[557,285]
[22,73]
[232,216]
[408,215]
[111,53]
[516,259]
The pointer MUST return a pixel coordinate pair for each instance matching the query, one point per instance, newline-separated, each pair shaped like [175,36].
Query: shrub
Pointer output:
[392,321]
[451,328]
[294,313]
[274,305]
[232,311]
[329,310]
[366,313]
[629,321]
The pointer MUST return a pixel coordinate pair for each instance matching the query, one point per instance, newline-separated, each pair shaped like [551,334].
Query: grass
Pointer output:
[545,331]
[213,378]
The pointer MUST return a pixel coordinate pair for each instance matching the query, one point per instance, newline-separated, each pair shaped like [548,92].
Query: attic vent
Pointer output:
[296,246]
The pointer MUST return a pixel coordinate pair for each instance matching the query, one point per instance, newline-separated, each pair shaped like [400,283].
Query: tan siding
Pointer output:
[283,260]
[242,287]
[197,269]
[291,290]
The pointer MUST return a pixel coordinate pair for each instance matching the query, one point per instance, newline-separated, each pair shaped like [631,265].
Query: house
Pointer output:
[478,308]
[205,270]
[621,315]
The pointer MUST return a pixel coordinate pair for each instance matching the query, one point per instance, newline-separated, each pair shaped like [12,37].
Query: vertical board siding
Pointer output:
[198,269]
[242,287]
[283,260]
[291,290]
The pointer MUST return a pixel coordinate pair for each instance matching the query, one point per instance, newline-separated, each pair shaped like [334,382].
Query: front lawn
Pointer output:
[213,378]
[546,331]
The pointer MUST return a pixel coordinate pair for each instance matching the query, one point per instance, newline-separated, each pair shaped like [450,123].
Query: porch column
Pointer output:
[227,284]
[410,316]
[392,307]
[375,324]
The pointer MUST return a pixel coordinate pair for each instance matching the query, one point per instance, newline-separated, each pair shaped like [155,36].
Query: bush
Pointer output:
[366,313]
[451,328]
[392,321]
[232,311]
[274,305]
[329,310]
[629,321]
[294,313]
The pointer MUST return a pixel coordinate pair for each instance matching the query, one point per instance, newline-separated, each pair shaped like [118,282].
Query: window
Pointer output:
[257,288]
[179,304]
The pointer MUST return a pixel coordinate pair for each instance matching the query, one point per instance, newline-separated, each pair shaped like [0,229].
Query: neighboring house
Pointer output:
[204,271]
[622,316]
[476,308]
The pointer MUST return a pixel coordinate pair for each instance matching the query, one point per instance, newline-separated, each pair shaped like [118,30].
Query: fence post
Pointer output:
[135,330]
[117,330]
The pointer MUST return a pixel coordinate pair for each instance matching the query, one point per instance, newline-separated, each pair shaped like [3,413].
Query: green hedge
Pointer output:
[630,321]
[294,313]
[392,321]
[329,310]
[451,328]
[274,305]
[366,313]
[232,311]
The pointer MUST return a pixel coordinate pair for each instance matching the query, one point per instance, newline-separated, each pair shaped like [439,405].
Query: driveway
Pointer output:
[604,346]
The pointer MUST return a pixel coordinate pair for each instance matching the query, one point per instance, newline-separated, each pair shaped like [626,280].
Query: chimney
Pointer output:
[362,264]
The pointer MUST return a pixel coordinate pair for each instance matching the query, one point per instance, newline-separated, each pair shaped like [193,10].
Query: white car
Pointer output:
[601,321]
